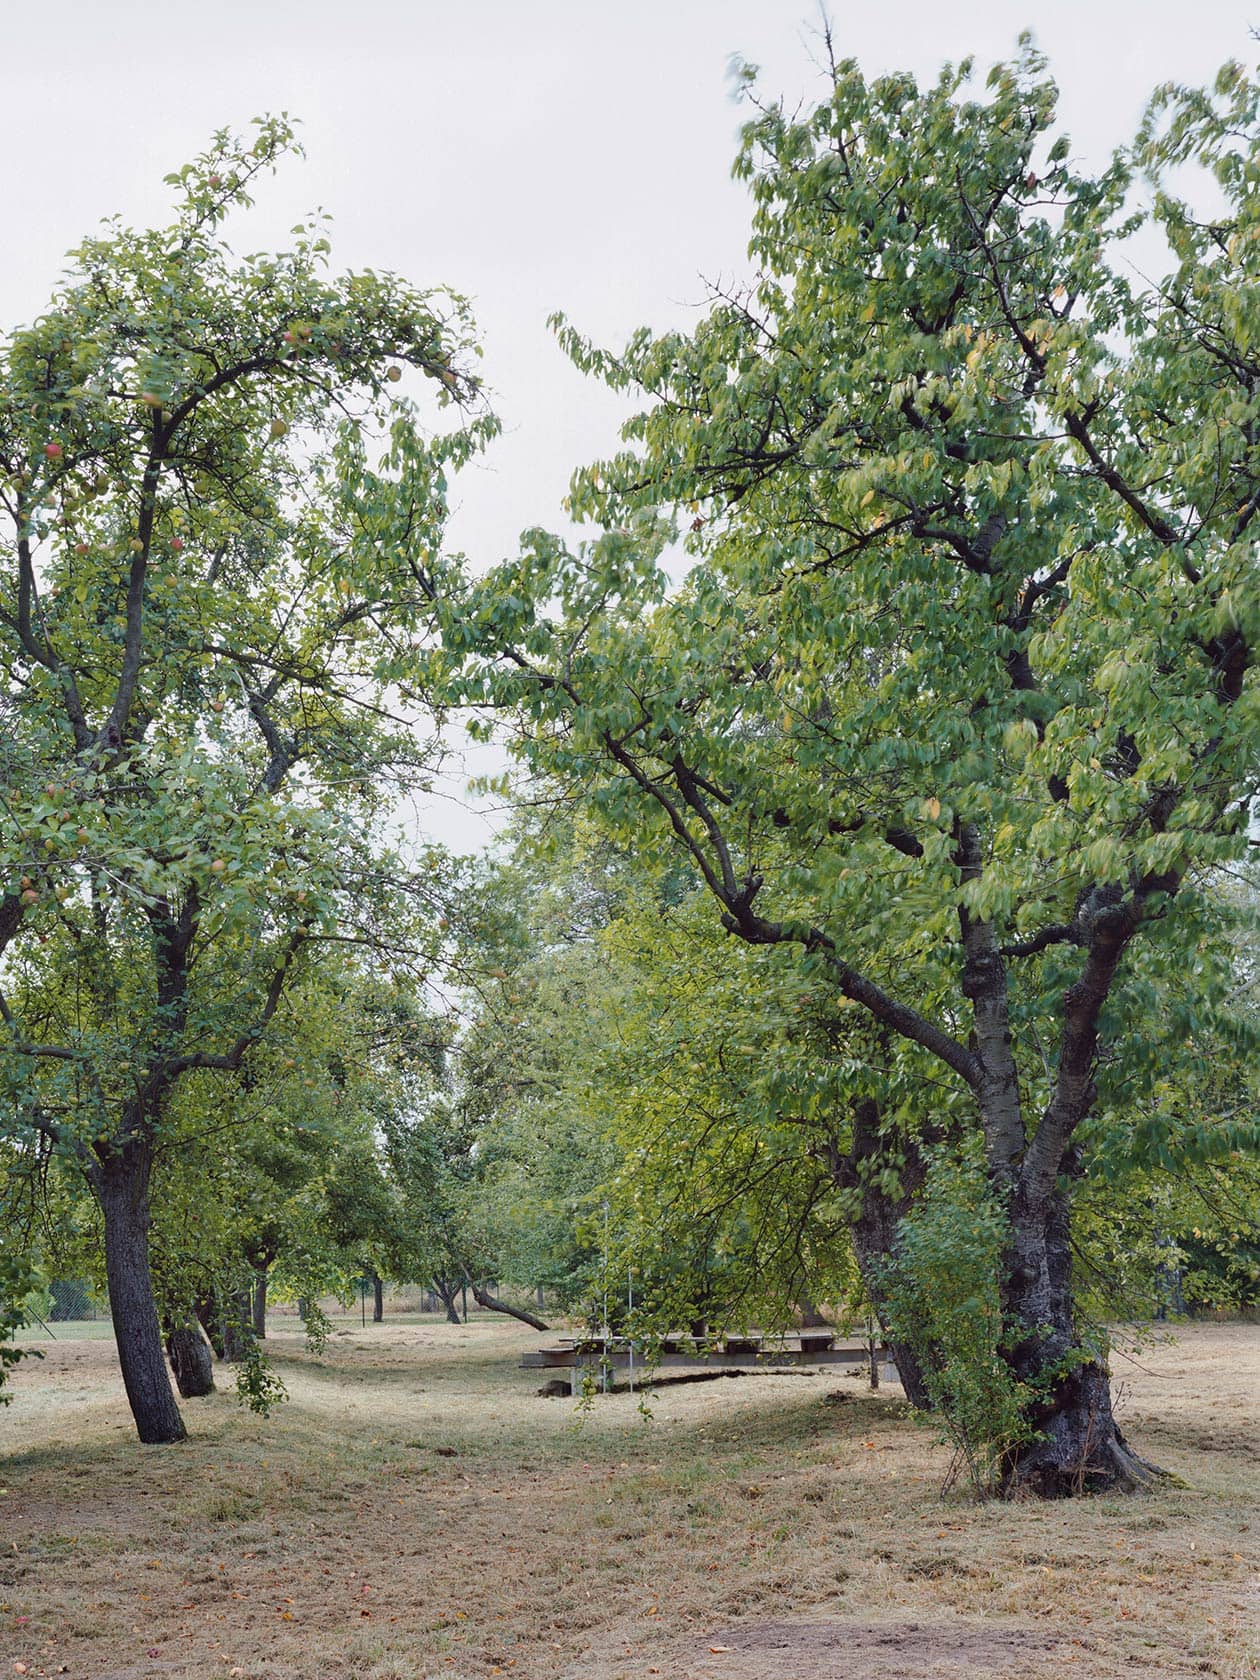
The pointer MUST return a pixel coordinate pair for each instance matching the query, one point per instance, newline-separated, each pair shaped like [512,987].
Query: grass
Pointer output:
[416,1511]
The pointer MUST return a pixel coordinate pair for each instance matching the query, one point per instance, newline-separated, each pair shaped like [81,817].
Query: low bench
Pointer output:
[598,1354]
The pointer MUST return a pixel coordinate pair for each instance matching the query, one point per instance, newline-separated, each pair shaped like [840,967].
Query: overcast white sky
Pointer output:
[536,154]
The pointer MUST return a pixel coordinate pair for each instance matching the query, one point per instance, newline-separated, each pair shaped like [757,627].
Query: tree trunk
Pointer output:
[210,1319]
[875,1230]
[811,1318]
[238,1323]
[447,1294]
[191,1359]
[491,1303]
[378,1299]
[260,1306]
[122,1189]
[1079,1448]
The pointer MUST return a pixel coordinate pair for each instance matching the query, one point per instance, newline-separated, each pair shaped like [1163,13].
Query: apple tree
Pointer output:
[222,507]
[954,710]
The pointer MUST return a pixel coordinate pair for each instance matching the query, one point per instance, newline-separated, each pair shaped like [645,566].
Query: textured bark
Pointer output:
[447,1293]
[378,1299]
[1080,1449]
[259,1306]
[192,1359]
[210,1319]
[238,1323]
[491,1303]
[121,1184]
[874,1232]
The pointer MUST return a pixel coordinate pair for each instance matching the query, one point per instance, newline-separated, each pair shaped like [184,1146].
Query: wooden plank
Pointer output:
[619,1358]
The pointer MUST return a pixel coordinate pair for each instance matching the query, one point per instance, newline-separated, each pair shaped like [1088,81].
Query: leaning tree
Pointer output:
[207,603]
[954,706]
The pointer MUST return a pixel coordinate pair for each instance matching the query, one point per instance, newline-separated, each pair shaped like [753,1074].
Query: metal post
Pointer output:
[363,1303]
[630,1315]
[607,1333]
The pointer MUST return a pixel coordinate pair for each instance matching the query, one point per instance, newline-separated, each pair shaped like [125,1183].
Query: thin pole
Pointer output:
[630,1315]
[607,1333]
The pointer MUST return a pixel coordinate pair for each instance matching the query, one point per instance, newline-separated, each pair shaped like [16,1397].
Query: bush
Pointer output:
[943,1303]
[16,1285]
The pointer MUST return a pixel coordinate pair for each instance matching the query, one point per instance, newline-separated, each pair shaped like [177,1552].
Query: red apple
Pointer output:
[53,451]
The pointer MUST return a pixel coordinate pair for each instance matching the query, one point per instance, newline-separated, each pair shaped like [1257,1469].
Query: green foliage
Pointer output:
[258,1388]
[943,1302]
[955,707]
[17,1282]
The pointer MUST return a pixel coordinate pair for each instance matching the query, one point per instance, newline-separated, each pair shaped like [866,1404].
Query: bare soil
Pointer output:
[416,1511]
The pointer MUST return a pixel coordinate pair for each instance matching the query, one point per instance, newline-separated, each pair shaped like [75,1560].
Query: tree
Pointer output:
[213,584]
[954,709]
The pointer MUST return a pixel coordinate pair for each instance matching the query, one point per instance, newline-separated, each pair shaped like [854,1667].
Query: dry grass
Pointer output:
[416,1511]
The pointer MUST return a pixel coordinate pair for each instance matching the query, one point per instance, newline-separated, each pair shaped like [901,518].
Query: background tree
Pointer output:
[208,598]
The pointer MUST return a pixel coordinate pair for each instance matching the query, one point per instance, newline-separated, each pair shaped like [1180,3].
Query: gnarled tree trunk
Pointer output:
[121,1184]
[447,1292]
[192,1359]
[1079,1448]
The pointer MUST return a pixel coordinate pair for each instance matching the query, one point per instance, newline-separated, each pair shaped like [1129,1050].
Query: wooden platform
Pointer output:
[597,1354]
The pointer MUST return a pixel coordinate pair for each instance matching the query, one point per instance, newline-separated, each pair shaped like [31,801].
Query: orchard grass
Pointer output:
[417,1510]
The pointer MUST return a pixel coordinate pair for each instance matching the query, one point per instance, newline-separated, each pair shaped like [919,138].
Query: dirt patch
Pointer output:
[844,1650]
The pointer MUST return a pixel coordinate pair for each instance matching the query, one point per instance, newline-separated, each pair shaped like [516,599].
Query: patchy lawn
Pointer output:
[417,1511]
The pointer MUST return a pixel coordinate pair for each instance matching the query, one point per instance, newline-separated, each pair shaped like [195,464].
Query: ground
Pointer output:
[417,1511]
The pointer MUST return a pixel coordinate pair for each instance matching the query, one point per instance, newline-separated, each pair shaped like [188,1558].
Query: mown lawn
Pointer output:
[417,1510]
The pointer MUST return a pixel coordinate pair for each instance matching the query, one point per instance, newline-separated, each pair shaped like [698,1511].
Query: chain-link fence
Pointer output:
[70,1299]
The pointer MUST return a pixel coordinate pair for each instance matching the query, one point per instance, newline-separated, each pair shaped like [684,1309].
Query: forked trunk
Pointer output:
[448,1294]
[1078,1448]
[122,1189]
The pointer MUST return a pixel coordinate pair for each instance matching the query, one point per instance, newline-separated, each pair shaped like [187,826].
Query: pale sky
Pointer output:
[535,154]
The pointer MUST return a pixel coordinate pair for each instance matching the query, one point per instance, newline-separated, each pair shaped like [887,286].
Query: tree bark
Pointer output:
[121,1183]
[491,1303]
[378,1299]
[192,1359]
[874,1231]
[447,1293]
[210,1319]
[260,1306]
[238,1323]
[1079,1447]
